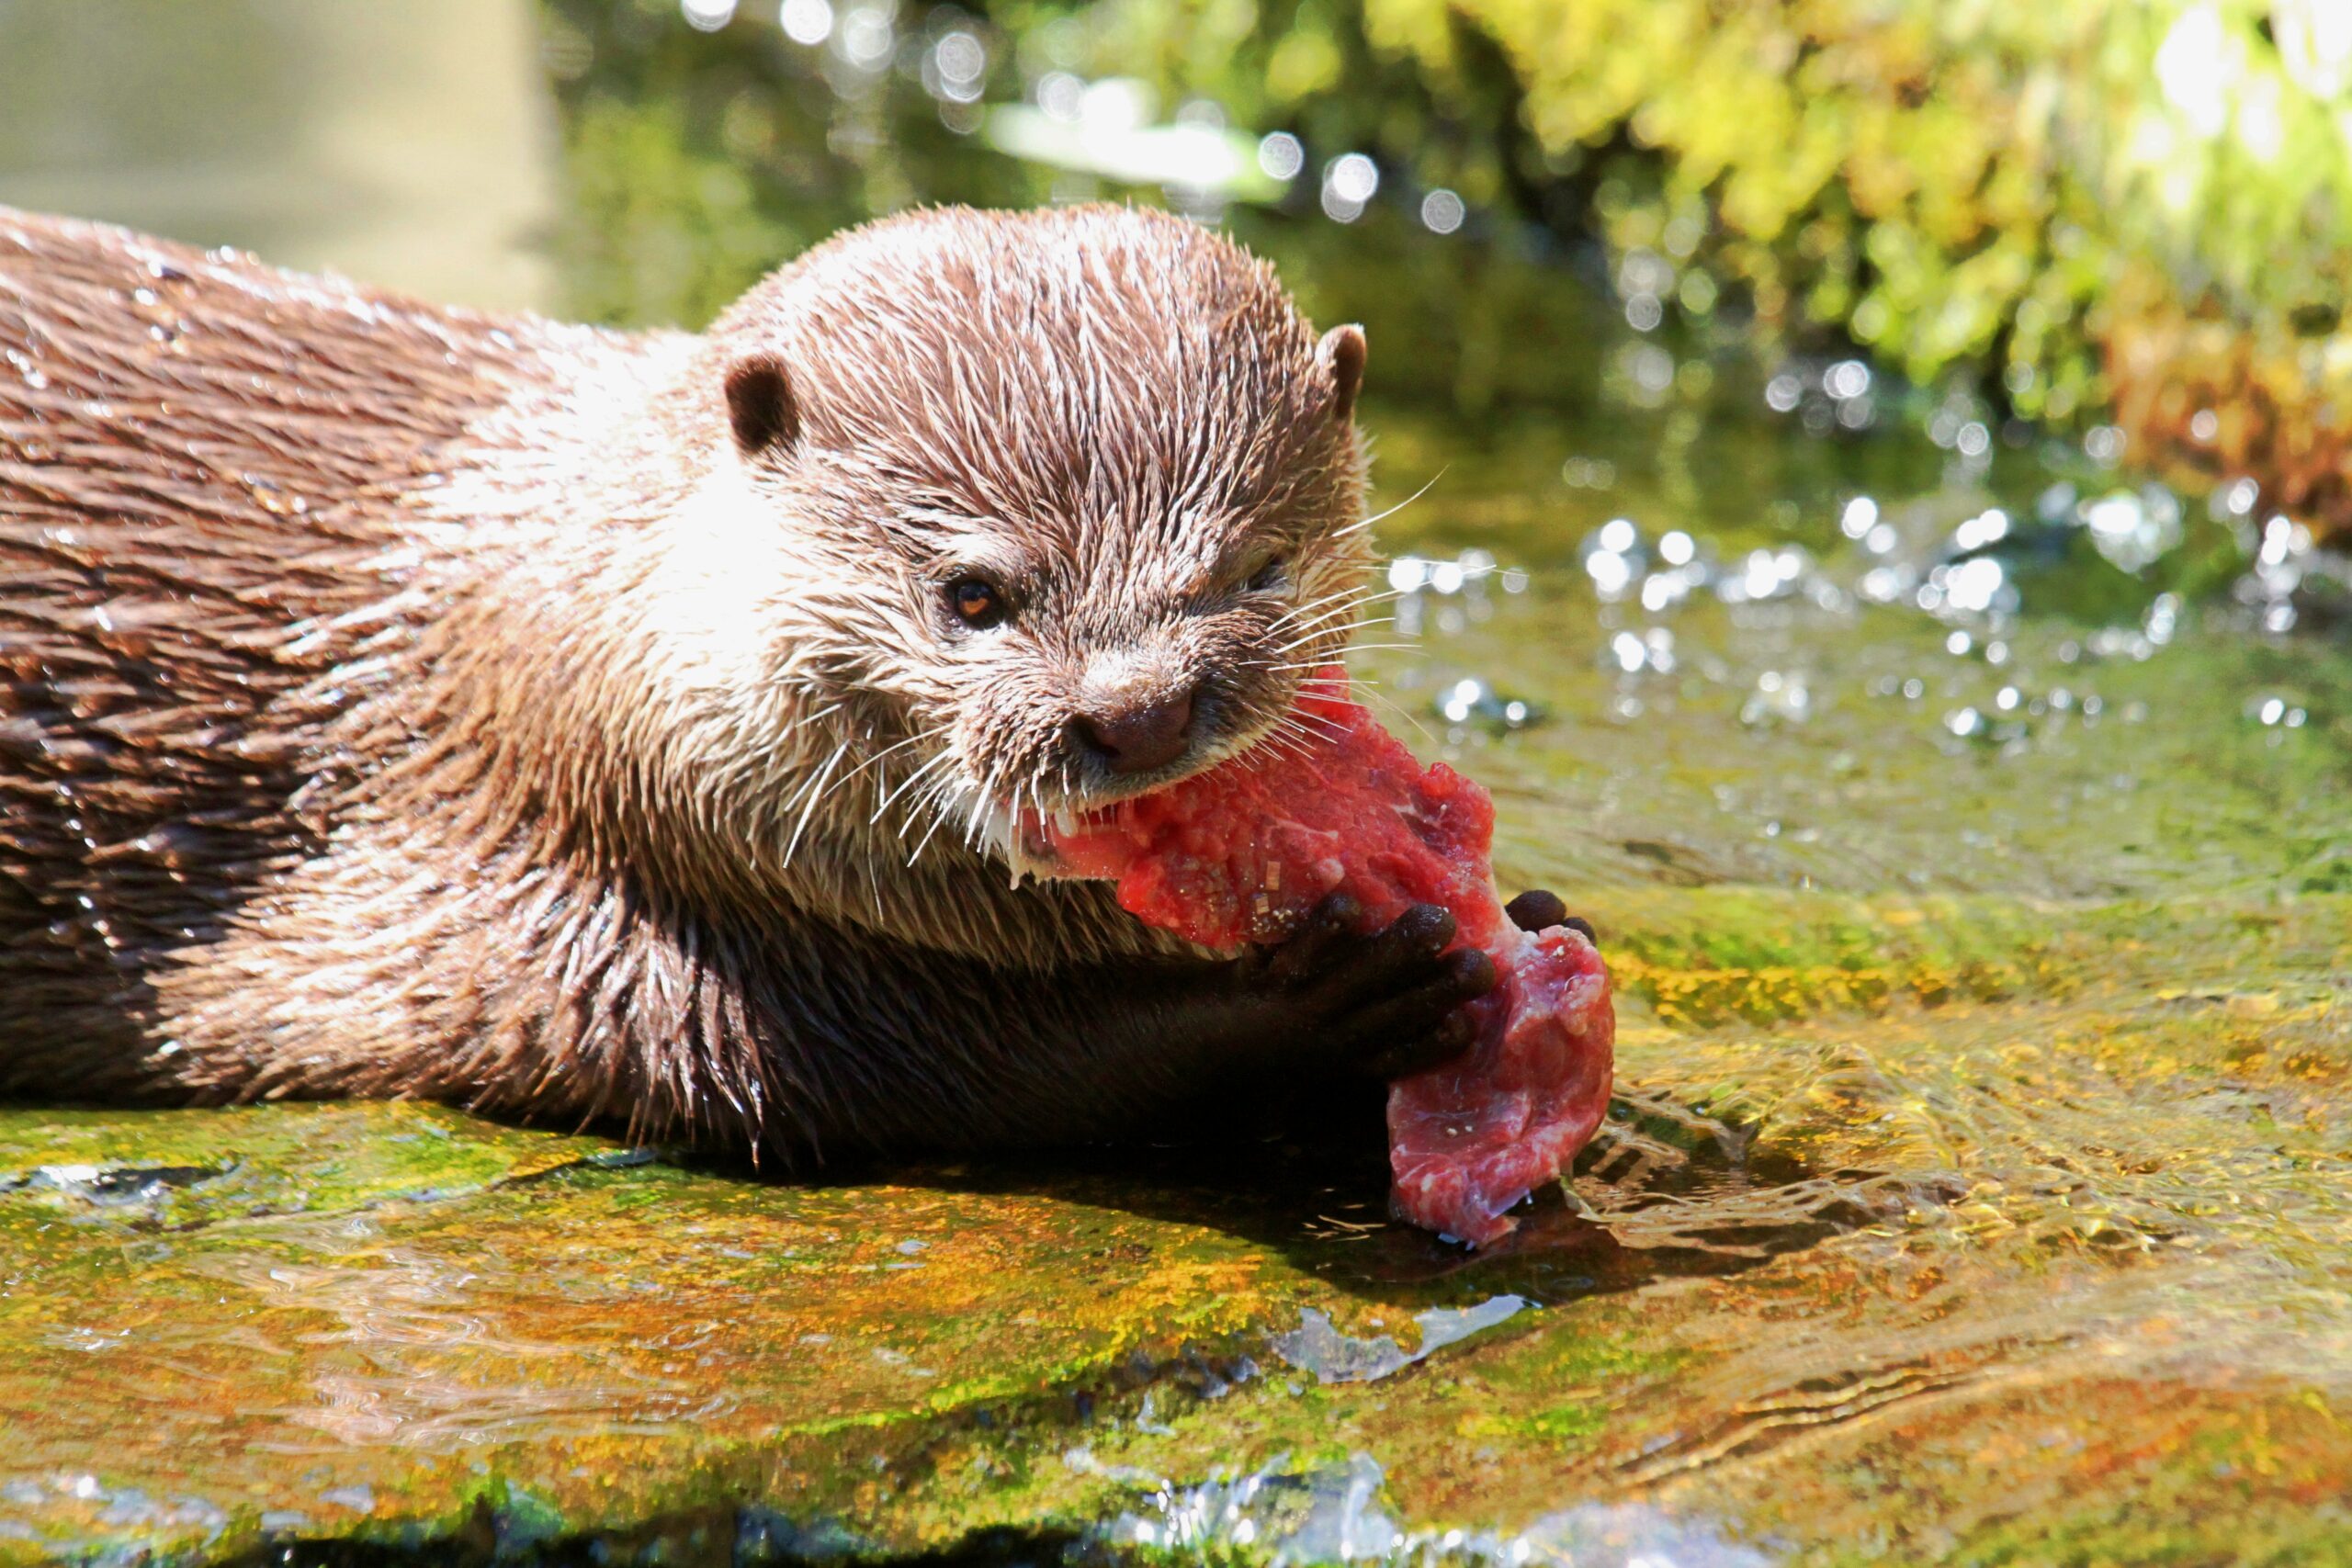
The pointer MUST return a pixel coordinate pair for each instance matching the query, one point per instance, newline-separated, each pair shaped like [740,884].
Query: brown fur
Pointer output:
[398,700]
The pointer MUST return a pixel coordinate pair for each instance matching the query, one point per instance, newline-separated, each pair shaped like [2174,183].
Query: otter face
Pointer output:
[1087,675]
[1080,491]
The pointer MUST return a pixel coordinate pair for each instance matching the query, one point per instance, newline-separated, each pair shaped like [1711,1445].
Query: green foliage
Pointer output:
[665,229]
[1949,182]
[2096,209]
[2052,200]
[698,161]
[1432,94]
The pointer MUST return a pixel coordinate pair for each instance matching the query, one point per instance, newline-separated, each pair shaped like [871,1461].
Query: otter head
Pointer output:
[1071,498]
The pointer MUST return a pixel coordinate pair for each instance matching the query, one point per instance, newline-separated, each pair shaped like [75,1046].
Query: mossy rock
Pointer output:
[1963,1280]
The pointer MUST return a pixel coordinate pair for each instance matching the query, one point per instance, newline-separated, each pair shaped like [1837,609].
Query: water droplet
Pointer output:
[1280,155]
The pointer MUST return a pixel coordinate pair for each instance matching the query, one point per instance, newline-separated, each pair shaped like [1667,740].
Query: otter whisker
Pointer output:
[1310,730]
[942,809]
[816,791]
[943,799]
[1336,607]
[1333,620]
[1359,527]
[931,805]
[930,810]
[978,817]
[1314,664]
[894,747]
[1356,605]
[1295,611]
[1284,744]
[1288,747]
[1297,643]
[882,790]
[1301,716]
[1357,599]
[907,783]
[1321,729]
[1371,689]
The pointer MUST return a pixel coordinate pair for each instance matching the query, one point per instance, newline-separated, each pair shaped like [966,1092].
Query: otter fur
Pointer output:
[587,727]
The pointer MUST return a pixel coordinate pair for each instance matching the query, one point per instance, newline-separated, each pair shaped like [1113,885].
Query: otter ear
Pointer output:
[1340,356]
[760,405]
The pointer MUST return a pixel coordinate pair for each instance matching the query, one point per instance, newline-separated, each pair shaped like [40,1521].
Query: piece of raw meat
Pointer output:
[1242,853]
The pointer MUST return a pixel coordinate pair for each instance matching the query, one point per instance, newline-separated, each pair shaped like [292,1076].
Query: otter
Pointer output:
[602,727]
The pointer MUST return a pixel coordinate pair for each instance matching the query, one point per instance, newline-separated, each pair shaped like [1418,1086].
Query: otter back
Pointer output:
[189,444]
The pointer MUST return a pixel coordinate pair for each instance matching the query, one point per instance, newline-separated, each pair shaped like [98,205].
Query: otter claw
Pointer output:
[1427,1027]
[1321,941]
[1538,910]
[1389,999]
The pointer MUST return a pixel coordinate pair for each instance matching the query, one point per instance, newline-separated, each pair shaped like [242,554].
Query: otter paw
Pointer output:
[1539,910]
[1387,1001]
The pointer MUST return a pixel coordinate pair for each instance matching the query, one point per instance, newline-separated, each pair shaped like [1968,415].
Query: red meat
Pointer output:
[1242,853]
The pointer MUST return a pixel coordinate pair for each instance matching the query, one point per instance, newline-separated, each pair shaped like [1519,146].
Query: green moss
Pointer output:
[2018,1197]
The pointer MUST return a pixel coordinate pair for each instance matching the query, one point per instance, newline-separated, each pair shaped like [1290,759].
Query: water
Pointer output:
[1962,814]
[1784,652]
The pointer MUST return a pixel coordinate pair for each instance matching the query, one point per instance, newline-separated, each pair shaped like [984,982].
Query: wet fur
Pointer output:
[398,700]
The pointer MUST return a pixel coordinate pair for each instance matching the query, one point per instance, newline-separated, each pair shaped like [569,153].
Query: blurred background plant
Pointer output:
[2079,211]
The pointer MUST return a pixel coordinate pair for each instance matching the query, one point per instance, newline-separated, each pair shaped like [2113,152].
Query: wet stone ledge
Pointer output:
[1965,1279]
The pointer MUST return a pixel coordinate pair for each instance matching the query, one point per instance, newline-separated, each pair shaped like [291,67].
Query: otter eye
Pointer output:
[1270,576]
[976,602]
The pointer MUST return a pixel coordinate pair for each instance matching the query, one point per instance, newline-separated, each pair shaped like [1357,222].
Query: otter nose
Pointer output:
[1138,737]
